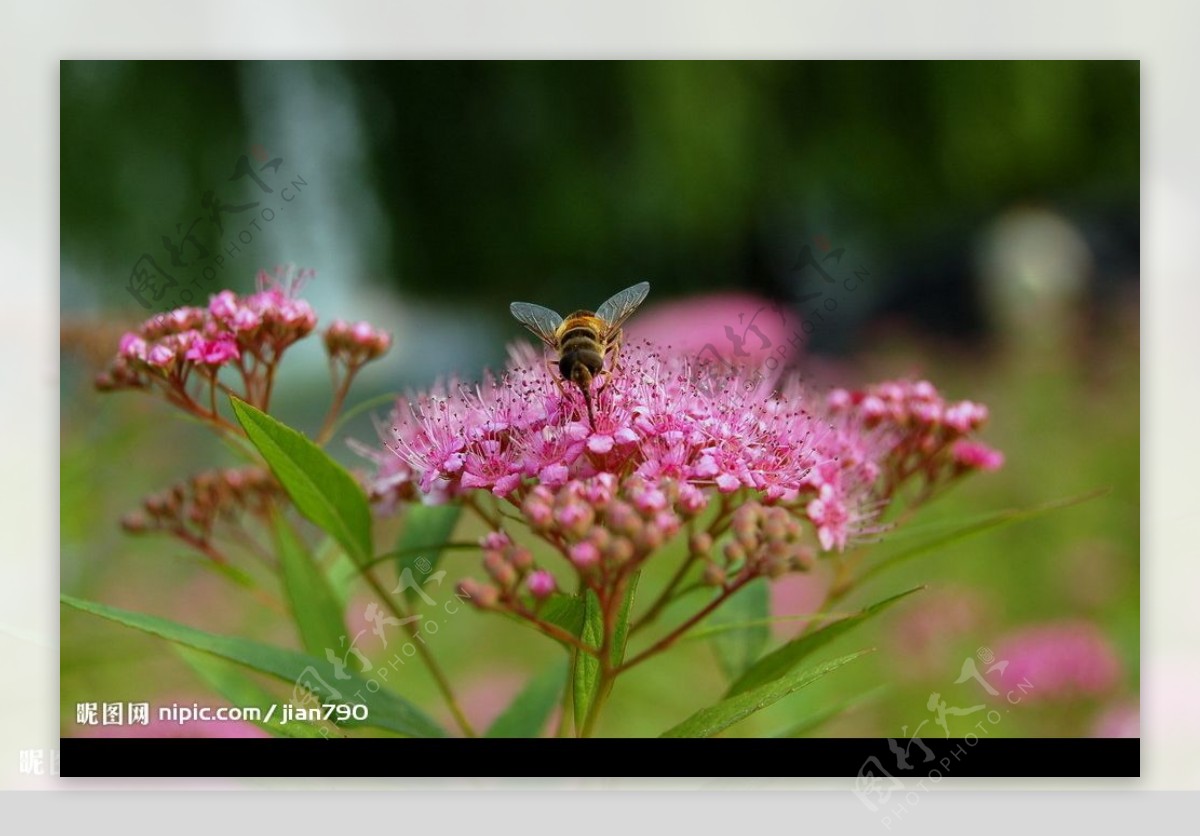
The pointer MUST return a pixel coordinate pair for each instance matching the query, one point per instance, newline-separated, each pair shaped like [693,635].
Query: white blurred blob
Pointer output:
[1035,265]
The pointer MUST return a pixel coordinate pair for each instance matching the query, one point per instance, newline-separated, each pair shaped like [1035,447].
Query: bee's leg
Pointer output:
[616,352]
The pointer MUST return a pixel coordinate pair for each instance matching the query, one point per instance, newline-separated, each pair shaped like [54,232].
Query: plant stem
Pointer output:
[335,407]
[603,687]
[568,700]
[664,598]
[550,629]
[401,612]
[669,640]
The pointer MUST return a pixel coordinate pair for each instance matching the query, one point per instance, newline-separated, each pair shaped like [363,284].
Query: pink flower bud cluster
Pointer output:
[191,510]
[355,344]
[925,434]
[512,575]
[182,352]
[169,346]
[765,541]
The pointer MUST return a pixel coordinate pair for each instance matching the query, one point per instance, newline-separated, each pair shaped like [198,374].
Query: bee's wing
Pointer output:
[537,318]
[617,309]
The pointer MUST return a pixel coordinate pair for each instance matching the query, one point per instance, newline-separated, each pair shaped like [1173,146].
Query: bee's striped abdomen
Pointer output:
[579,345]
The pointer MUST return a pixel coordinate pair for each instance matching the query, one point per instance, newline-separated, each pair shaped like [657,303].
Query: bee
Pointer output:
[584,339]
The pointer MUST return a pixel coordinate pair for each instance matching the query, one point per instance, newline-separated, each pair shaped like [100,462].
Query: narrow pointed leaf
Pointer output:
[315,607]
[587,667]
[527,715]
[386,709]
[960,531]
[720,716]
[783,659]
[322,490]
[814,720]
[621,629]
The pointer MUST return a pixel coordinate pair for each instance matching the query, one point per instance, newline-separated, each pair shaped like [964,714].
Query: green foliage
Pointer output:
[315,607]
[738,647]
[322,490]
[526,716]
[587,667]
[720,716]
[230,681]
[387,710]
[785,658]
[426,528]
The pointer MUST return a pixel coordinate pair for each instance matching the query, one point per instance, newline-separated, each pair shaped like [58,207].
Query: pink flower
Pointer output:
[161,356]
[1058,661]
[132,347]
[829,515]
[977,456]
[215,351]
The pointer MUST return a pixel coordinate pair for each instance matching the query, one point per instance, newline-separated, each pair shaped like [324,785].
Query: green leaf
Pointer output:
[231,682]
[342,572]
[720,716]
[426,529]
[323,490]
[587,667]
[526,716]
[977,526]
[783,659]
[386,709]
[808,724]
[621,629]
[565,611]
[738,648]
[315,607]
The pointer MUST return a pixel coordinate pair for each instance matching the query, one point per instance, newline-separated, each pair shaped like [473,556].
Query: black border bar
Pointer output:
[629,757]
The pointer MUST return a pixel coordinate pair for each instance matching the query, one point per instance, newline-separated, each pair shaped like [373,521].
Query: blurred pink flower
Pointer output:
[795,595]
[485,696]
[977,456]
[931,626]
[1118,721]
[1059,661]
[739,328]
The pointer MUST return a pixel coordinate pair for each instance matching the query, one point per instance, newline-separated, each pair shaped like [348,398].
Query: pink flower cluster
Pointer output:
[168,347]
[1059,661]
[355,344]
[928,436]
[182,352]
[659,418]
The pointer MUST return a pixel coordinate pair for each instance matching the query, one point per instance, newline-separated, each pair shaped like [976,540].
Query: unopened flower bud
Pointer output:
[481,595]
[541,584]
[713,575]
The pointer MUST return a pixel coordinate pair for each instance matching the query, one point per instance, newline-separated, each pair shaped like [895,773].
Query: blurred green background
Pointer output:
[993,206]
